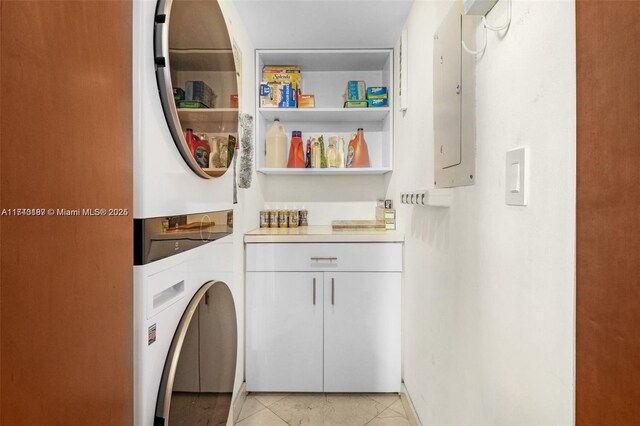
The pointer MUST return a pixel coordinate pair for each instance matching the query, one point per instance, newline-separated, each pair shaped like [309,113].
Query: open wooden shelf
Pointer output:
[215,172]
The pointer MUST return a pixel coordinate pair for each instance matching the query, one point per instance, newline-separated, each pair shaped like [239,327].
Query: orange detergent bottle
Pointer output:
[358,153]
[199,148]
[296,151]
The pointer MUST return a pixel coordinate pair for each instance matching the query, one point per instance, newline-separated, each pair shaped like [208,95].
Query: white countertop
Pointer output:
[320,234]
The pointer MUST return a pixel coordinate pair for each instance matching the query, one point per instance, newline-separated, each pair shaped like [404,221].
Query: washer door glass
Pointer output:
[197,82]
[199,374]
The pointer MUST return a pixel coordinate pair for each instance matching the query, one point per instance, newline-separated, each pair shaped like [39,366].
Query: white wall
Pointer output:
[326,198]
[489,288]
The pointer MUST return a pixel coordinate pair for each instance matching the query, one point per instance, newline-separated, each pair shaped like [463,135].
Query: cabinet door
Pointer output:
[284,331]
[362,332]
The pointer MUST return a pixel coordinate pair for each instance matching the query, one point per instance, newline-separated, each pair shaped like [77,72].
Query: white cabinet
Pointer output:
[362,332]
[325,74]
[333,328]
[284,331]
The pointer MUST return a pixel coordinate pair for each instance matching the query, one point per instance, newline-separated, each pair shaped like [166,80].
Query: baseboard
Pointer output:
[238,402]
[409,410]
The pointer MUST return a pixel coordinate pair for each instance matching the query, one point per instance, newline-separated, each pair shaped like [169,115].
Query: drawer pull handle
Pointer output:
[333,291]
[329,258]
[314,291]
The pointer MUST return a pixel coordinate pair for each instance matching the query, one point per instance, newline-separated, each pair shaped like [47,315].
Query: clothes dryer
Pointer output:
[178,45]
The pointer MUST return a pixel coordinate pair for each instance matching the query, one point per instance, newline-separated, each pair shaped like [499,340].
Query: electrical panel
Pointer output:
[454,103]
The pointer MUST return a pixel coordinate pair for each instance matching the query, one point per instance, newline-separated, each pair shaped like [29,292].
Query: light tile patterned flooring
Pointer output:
[318,409]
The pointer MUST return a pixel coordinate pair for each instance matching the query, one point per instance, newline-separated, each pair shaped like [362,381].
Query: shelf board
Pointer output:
[325,172]
[325,114]
[201,60]
[208,115]
[215,172]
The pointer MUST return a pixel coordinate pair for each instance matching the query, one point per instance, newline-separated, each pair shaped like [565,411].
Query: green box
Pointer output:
[356,104]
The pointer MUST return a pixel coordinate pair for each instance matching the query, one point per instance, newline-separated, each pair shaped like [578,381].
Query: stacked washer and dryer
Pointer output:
[185,348]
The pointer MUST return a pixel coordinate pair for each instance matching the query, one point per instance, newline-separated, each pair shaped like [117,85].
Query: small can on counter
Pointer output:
[283,219]
[273,218]
[264,218]
[293,218]
[303,219]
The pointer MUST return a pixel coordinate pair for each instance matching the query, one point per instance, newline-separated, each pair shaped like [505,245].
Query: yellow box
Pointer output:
[284,74]
[306,101]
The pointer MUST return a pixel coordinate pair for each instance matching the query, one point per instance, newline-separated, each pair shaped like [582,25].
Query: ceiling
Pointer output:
[328,24]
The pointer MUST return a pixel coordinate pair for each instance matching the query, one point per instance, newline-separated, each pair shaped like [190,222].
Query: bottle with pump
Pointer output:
[358,154]
[276,146]
[296,151]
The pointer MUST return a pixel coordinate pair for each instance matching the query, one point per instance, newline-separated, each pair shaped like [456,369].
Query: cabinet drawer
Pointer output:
[370,257]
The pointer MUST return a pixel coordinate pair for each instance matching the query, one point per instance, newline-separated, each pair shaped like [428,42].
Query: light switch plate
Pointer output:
[517,177]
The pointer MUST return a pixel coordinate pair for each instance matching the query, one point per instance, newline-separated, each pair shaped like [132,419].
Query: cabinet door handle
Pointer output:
[329,258]
[314,291]
[333,291]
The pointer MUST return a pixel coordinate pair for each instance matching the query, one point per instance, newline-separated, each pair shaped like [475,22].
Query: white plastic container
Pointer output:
[276,146]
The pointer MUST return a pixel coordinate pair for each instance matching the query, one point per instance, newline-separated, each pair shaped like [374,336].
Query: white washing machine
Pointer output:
[185,334]
[185,346]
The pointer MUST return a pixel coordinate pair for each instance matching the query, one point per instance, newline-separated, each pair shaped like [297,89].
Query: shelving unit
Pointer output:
[216,68]
[325,74]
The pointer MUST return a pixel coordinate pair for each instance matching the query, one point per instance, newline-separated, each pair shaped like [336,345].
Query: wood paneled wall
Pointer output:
[66,281]
[608,213]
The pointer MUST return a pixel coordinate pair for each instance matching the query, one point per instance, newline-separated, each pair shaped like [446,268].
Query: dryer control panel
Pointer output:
[160,237]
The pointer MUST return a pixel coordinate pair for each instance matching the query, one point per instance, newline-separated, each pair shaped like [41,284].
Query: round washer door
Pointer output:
[197,81]
[199,373]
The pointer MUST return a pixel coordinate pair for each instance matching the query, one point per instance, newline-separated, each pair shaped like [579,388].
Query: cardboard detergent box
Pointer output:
[277,95]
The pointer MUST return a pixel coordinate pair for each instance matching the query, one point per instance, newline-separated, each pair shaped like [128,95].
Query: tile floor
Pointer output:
[316,409]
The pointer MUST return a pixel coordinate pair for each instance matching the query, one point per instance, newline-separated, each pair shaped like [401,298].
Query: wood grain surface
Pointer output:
[608,213]
[66,281]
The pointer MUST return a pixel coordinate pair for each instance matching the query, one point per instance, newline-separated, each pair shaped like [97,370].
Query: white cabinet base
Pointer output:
[341,334]
[362,332]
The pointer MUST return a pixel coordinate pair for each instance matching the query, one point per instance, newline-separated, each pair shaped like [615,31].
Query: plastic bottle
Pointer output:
[323,157]
[276,145]
[332,155]
[190,139]
[199,148]
[358,154]
[296,151]
[307,158]
[316,154]
[214,157]
[341,152]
